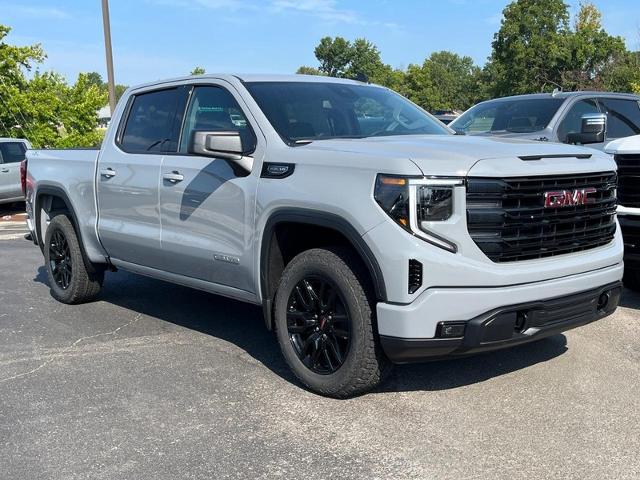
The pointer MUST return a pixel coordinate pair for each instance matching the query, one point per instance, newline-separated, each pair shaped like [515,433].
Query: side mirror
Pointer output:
[223,144]
[592,130]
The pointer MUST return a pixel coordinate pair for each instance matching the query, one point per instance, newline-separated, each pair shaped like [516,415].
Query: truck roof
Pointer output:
[260,77]
[564,95]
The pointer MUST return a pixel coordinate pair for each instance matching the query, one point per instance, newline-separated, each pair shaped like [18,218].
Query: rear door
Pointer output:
[11,154]
[129,175]
[207,204]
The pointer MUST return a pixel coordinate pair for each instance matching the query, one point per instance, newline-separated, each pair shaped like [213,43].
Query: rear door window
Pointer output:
[152,123]
[12,152]
[623,117]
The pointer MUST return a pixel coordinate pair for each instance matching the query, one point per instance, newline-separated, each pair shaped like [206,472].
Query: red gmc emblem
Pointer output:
[568,198]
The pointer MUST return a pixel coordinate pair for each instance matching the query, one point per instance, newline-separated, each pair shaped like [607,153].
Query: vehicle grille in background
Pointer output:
[507,220]
[415,275]
[630,234]
[628,180]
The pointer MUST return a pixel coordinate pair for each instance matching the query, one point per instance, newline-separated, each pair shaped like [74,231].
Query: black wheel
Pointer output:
[70,280]
[325,321]
[632,279]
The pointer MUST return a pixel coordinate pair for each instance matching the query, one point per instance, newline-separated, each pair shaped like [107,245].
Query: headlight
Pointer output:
[415,202]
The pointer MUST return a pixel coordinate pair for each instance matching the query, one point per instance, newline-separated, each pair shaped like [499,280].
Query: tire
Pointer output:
[70,280]
[345,331]
[631,280]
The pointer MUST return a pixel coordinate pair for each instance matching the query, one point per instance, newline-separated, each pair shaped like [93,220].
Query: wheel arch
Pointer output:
[49,195]
[271,260]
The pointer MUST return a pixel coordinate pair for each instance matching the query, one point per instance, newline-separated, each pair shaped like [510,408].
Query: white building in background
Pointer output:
[104,116]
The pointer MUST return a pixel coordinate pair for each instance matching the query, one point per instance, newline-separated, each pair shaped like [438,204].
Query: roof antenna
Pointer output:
[361,77]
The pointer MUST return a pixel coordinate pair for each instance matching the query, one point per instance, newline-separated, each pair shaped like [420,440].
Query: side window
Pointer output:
[151,123]
[483,121]
[623,117]
[214,109]
[12,152]
[572,122]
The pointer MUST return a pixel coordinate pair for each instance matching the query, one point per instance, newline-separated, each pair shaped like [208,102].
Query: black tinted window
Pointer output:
[213,109]
[572,122]
[151,125]
[623,117]
[12,152]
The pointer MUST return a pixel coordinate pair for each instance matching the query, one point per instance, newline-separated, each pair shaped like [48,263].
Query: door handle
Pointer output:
[5,170]
[173,177]
[108,172]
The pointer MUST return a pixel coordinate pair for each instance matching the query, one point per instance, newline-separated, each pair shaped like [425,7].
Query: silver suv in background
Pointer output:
[565,117]
[12,152]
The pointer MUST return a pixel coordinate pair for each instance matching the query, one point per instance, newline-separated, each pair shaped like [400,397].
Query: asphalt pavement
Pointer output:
[155,381]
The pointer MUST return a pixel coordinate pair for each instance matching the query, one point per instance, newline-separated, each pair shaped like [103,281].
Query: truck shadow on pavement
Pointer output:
[242,325]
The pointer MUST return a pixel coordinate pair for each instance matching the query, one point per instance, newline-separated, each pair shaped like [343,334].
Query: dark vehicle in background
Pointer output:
[12,152]
[564,117]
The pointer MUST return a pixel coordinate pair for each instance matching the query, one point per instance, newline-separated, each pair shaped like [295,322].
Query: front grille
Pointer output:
[508,221]
[628,180]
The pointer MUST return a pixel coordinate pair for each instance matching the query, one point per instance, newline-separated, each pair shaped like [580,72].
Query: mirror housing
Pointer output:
[220,144]
[593,129]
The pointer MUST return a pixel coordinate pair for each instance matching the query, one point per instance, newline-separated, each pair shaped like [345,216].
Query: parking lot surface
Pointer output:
[159,381]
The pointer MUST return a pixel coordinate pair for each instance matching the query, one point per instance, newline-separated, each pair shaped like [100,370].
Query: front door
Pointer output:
[128,178]
[207,204]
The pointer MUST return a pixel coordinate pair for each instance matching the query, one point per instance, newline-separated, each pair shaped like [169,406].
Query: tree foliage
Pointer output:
[44,108]
[531,49]
[445,81]
[198,71]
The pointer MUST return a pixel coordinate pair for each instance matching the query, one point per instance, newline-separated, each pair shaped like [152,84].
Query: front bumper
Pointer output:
[408,332]
[500,328]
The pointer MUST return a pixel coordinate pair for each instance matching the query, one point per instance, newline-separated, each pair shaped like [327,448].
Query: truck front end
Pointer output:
[515,249]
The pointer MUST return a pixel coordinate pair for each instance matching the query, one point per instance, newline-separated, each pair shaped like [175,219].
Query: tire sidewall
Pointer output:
[334,270]
[63,224]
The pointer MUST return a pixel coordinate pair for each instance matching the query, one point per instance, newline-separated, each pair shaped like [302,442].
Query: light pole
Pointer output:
[107,46]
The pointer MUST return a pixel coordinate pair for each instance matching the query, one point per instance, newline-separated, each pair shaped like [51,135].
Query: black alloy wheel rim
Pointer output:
[60,260]
[318,324]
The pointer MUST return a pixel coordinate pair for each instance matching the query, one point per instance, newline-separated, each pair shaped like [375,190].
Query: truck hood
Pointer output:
[456,155]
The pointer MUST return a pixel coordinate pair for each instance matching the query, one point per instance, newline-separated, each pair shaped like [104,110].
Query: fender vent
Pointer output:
[415,275]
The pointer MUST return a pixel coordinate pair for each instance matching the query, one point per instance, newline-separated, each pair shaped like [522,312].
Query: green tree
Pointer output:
[197,71]
[593,51]
[94,78]
[334,55]
[531,49]
[339,57]
[445,81]
[304,70]
[45,109]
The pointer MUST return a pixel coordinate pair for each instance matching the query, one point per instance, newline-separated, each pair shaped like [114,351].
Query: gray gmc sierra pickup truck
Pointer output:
[368,232]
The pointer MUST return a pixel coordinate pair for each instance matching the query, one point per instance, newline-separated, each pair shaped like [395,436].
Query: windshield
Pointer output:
[304,111]
[516,116]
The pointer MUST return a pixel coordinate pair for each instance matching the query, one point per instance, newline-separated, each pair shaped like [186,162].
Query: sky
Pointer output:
[155,39]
